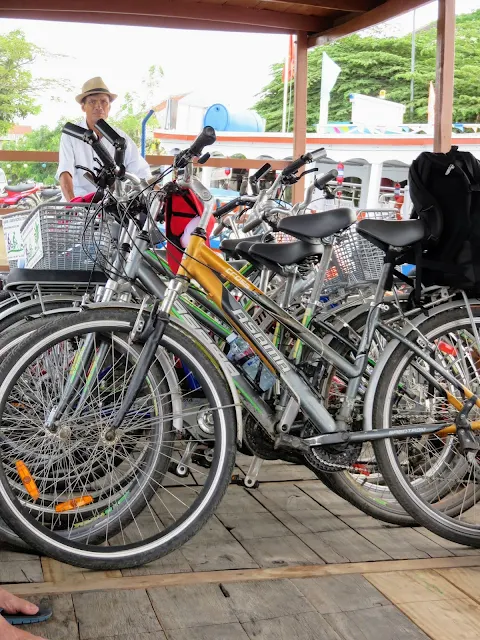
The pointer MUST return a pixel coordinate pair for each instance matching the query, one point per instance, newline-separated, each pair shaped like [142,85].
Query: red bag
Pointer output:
[180,209]
[86,198]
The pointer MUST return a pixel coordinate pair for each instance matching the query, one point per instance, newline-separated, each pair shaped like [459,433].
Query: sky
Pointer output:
[231,68]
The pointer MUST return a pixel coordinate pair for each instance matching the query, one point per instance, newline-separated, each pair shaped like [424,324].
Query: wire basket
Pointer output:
[354,259]
[12,223]
[63,236]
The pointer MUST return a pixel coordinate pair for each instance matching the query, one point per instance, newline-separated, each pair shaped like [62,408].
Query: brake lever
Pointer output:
[307,171]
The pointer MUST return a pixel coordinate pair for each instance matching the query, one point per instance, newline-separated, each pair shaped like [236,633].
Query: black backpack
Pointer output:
[445,193]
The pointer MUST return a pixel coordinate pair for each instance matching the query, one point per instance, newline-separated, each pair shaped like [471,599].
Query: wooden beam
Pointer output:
[355,6]
[154,161]
[442,138]
[382,12]
[138,21]
[183,9]
[300,113]
[88,581]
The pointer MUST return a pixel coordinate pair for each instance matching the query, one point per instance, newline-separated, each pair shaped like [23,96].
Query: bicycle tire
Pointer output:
[210,494]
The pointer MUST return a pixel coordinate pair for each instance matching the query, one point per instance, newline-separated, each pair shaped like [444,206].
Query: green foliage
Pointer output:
[42,139]
[18,88]
[134,109]
[16,100]
[370,64]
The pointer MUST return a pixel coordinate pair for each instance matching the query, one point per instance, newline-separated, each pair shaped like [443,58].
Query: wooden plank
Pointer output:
[378,623]
[250,526]
[114,613]
[446,619]
[403,544]
[328,499]
[184,607]
[304,626]
[290,521]
[174,562]
[442,139]
[239,500]
[269,599]
[432,602]
[286,551]
[54,571]
[287,497]
[354,6]
[202,11]
[233,631]
[336,594]
[454,548]
[155,161]
[211,556]
[413,586]
[466,580]
[300,110]
[352,545]
[242,575]
[382,12]
[317,522]
[156,635]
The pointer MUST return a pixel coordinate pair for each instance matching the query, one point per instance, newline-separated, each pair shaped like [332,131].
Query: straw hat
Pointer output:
[94,85]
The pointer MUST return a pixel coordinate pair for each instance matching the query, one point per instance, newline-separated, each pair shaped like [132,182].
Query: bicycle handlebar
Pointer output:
[322,181]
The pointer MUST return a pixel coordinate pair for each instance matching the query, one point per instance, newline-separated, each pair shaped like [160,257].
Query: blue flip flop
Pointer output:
[43,614]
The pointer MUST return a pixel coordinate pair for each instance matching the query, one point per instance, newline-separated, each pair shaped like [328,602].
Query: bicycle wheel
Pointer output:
[134,506]
[9,340]
[364,486]
[429,476]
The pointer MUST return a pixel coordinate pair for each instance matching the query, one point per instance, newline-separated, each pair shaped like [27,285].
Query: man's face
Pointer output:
[96,107]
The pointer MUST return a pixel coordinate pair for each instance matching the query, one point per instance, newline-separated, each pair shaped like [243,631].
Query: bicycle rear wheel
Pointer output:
[429,476]
[119,505]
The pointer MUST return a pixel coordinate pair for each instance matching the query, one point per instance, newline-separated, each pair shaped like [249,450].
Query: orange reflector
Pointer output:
[27,480]
[70,505]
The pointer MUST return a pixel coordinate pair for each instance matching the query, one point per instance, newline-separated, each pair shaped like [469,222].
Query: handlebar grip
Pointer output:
[75,131]
[260,172]
[115,140]
[322,181]
[226,208]
[110,134]
[205,138]
[252,224]
[296,165]
[318,153]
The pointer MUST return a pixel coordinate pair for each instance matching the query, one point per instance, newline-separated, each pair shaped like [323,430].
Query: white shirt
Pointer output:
[75,152]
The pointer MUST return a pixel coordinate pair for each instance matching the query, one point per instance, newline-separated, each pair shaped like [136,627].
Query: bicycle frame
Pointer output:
[205,266]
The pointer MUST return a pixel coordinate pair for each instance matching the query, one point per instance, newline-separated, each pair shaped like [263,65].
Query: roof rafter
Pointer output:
[183,9]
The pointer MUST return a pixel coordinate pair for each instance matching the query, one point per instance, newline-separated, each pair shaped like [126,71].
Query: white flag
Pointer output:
[330,73]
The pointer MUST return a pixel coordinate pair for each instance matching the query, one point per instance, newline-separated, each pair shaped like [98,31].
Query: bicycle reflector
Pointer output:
[27,480]
[75,503]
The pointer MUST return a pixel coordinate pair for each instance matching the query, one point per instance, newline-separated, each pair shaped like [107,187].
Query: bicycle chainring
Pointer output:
[262,445]
[331,458]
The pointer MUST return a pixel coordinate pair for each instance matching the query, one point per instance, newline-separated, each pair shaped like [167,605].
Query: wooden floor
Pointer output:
[287,561]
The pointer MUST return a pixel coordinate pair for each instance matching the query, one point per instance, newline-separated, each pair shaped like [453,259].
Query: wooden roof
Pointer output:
[321,20]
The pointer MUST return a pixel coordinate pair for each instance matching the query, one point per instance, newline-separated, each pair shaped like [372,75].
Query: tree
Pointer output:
[18,88]
[42,139]
[135,107]
[370,64]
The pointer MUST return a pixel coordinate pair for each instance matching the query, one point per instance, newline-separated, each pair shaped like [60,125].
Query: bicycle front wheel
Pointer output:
[430,476]
[102,499]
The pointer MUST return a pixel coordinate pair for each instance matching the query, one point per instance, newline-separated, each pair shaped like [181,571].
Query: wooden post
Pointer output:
[300,113]
[445,72]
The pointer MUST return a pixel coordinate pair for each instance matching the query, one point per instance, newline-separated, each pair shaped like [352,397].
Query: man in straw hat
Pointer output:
[95,100]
